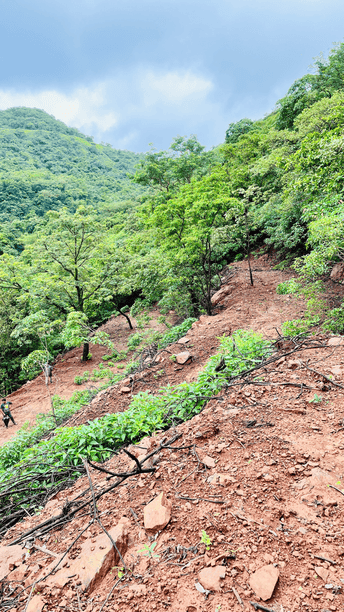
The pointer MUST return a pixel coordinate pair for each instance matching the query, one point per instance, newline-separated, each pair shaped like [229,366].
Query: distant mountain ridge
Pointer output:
[44,164]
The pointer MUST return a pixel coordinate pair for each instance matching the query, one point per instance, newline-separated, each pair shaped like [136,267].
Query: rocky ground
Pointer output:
[243,506]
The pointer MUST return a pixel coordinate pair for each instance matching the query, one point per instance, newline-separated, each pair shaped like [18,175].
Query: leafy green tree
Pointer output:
[190,231]
[70,263]
[166,171]
[236,130]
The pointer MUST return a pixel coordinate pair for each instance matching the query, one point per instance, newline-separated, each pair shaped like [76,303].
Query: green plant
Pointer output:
[79,380]
[134,341]
[335,321]
[149,550]
[288,287]
[295,327]
[205,539]
[159,373]
[316,399]
[146,414]
[173,358]
[176,332]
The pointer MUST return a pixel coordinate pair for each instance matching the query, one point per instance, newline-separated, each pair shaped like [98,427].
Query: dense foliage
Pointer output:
[81,239]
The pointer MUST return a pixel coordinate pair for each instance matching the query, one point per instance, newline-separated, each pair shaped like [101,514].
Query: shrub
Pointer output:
[79,380]
[289,287]
[176,332]
[335,322]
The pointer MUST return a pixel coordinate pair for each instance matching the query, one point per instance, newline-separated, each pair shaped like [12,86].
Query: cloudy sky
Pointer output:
[134,72]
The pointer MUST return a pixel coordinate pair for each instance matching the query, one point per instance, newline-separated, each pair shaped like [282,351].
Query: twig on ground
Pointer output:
[109,595]
[30,596]
[135,517]
[213,501]
[333,487]
[96,516]
[45,551]
[324,559]
[257,606]
[322,375]
[237,596]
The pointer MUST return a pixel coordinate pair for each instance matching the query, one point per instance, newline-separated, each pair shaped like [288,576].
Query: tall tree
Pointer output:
[70,263]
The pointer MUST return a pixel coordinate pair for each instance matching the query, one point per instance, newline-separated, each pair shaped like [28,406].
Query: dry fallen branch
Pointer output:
[68,514]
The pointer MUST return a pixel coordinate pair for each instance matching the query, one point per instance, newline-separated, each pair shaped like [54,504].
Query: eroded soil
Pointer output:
[260,470]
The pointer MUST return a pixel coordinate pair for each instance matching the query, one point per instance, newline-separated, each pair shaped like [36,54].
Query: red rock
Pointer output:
[221,479]
[335,341]
[95,560]
[209,462]
[183,340]
[292,471]
[125,390]
[19,573]
[337,273]
[221,294]
[263,581]
[183,357]
[322,573]
[10,557]
[337,371]
[157,514]
[209,577]
[36,604]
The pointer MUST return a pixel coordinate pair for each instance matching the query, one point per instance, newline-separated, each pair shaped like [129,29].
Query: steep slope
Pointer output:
[252,482]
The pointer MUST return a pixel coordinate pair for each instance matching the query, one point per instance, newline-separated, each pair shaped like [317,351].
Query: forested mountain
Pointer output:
[105,241]
[45,165]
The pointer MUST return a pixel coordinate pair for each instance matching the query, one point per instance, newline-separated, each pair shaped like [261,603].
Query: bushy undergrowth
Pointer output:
[176,332]
[144,338]
[13,450]
[98,439]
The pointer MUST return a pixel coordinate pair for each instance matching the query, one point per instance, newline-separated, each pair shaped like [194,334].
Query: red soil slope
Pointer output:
[260,472]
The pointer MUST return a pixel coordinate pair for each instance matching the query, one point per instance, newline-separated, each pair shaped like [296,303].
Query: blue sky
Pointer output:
[134,72]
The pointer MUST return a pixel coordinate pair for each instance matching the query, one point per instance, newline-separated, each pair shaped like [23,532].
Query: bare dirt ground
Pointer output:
[260,471]
[34,397]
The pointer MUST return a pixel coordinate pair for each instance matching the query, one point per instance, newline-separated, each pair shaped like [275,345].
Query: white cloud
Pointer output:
[83,107]
[173,87]
[123,108]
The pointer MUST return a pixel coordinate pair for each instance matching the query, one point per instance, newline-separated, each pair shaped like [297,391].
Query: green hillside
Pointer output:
[80,240]
[45,165]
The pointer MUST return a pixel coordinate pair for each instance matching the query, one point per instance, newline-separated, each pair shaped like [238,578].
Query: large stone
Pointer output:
[263,581]
[337,273]
[157,514]
[36,604]
[97,557]
[184,340]
[10,557]
[209,577]
[220,294]
[209,462]
[322,573]
[335,341]
[183,357]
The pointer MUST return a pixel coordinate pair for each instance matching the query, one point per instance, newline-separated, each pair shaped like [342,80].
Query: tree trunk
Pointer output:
[126,316]
[85,351]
